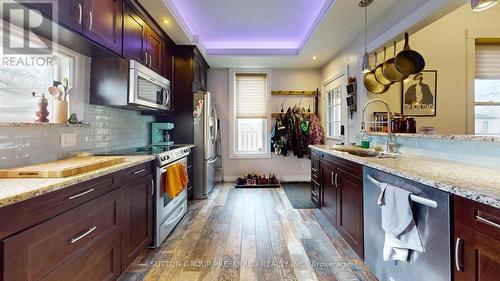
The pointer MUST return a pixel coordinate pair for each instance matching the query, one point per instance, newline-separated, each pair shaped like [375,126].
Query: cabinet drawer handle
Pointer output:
[150,61]
[80,194]
[314,170]
[90,20]
[488,222]
[75,239]
[336,180]
[331,179]
[146,58]
[458,254]
[140,171]
[80,13]
[152,187]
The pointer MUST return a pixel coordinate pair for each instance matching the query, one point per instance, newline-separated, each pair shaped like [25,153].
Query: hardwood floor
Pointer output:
[250,234]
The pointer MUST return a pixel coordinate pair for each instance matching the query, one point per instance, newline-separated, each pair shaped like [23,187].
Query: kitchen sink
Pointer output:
[355,150]
[362,152]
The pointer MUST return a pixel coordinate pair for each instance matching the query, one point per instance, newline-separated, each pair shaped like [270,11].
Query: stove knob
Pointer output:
[162,158]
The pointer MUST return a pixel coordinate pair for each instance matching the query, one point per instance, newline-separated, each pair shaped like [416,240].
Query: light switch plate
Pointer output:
[68,140]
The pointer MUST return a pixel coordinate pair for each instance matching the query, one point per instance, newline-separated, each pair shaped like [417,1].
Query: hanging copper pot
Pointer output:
[371,82]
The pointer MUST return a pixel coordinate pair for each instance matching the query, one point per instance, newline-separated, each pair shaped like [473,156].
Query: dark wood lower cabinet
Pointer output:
[59,246]
[478,256]
[341,189]
[350,210]
[329,206]
[94,240]
[477,241]
[139,218]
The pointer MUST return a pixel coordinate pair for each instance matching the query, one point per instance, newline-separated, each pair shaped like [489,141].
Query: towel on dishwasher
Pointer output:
[401,233]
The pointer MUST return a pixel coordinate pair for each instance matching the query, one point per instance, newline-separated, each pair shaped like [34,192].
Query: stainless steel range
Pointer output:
[167,211]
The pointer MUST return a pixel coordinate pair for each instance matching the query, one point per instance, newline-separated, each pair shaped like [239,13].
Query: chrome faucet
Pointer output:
[392,146]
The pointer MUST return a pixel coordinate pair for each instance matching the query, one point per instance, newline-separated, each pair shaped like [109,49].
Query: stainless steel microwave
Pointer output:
[147,88]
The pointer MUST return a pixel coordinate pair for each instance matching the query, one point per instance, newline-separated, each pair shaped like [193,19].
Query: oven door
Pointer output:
[164,203]
[148,89]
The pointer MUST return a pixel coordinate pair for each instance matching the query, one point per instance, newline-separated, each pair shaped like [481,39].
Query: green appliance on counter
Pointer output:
[162,133]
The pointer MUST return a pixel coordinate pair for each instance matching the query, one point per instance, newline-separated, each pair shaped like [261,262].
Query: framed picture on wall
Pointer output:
[418,94]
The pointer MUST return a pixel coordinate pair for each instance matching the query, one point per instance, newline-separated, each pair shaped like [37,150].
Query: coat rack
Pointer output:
[293,93]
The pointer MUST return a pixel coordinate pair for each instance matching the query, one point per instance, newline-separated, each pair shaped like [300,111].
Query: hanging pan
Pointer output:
[380,76]
[390,71]
[409,61]
[371,82]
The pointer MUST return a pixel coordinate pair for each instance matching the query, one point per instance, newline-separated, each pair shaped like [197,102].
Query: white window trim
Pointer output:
[232,126]
[471,36]
[327,87]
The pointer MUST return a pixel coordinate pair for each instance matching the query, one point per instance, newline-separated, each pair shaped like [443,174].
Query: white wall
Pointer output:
[286,169]
[443,45]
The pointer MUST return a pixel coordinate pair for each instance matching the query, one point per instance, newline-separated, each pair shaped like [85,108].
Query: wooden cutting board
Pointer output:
[62,168]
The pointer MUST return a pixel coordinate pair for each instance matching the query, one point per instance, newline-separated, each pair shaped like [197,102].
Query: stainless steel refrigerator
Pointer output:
[205,139]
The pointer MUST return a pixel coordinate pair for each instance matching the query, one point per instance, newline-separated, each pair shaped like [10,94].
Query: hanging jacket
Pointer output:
[290,128]
[279,137]
[316,133]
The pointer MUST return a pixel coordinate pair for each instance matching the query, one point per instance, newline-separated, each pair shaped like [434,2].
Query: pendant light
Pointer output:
[481,5]
[365,64]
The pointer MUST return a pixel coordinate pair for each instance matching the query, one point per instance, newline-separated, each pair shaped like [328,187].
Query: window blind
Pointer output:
[251,95]
[487,61]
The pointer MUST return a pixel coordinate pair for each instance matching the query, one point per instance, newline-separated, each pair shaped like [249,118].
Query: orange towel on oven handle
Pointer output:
[176,179]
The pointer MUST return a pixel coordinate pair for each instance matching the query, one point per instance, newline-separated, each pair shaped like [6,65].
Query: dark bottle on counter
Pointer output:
[410,125]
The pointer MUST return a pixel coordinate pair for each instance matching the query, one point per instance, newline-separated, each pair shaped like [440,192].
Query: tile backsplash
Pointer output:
[469,152]
[110,129]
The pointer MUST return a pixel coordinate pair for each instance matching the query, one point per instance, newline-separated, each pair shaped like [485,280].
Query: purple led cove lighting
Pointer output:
[245,27]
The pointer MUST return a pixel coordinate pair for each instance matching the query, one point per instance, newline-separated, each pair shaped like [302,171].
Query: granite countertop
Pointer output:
[481,184]
[20,189]
[476,138]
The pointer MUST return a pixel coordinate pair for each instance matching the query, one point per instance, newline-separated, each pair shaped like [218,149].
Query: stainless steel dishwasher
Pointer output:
[431,212]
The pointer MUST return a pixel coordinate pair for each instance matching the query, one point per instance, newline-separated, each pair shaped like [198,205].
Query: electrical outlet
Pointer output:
[68,140]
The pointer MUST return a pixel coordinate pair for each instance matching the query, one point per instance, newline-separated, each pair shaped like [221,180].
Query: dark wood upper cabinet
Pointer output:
[134,35]
[200,69]
[139,218]
[102,23]
[70,13]
[477,241]
[155,50]
[142,43]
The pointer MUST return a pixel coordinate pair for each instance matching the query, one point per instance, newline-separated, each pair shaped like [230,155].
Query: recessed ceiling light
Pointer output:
[481,5]
[314,57]
[166,21]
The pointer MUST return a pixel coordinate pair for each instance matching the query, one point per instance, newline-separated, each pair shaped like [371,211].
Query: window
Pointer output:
[250,114]
[487,90]
[334,112]
[20,77]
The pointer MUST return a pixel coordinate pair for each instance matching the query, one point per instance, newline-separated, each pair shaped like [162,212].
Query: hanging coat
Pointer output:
[316,133]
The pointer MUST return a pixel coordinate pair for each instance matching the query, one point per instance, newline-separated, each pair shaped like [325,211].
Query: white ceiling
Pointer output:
[340,26]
